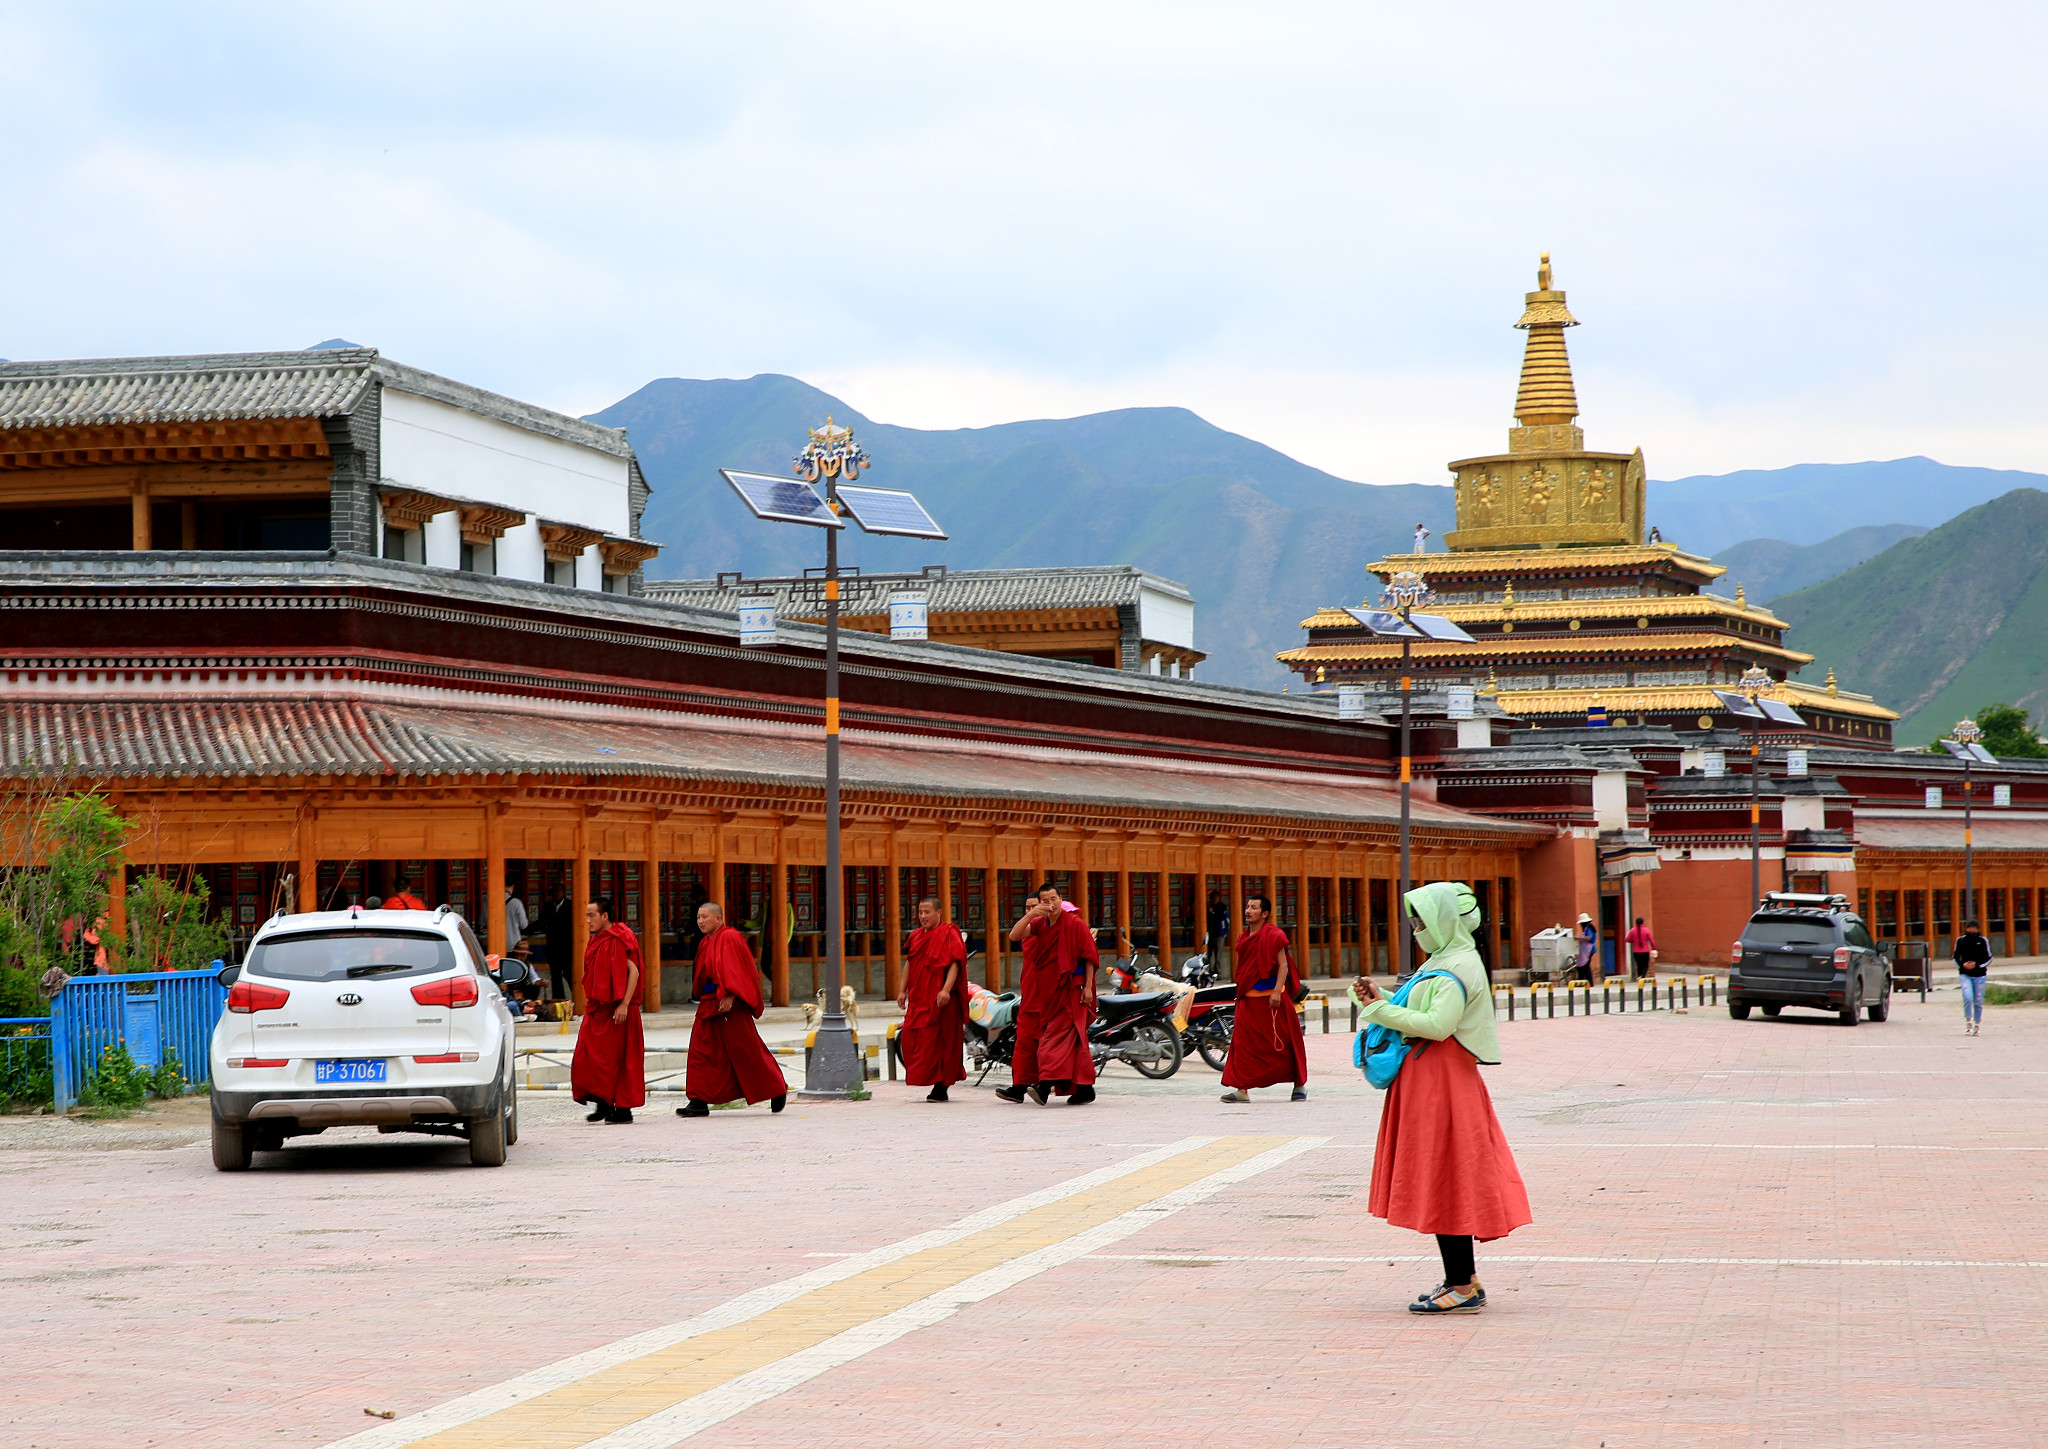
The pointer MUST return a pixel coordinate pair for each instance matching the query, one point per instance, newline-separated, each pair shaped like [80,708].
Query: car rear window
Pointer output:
[1789,931]
[351,955]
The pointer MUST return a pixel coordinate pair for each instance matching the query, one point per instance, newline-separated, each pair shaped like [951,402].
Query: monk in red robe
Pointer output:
[1057,1005]
[1266,1042]
[934,1002]
[609,1069]
[727,1060]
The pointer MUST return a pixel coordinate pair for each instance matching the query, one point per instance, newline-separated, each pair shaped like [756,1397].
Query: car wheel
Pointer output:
[487,1140]
[1739,1010]
[1853,1011]
[231,1149]
[1772,1010]
[1880,1009]
[511,1117]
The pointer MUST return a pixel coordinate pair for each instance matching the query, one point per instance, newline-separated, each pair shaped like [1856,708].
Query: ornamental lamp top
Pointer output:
[1755,681]
[831,454]
[1404,591]
[1966,732]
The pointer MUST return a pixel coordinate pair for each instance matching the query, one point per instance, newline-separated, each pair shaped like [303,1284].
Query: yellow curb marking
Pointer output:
[623,1394]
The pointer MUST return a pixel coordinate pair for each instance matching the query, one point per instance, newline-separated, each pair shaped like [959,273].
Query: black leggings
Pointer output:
[1457,1253]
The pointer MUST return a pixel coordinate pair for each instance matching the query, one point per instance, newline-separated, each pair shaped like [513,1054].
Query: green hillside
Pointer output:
[1262,540]
[1768,567]
[1941,625]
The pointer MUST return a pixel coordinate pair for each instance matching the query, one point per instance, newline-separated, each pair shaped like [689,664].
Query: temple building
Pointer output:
[1571,606]
[1111,616]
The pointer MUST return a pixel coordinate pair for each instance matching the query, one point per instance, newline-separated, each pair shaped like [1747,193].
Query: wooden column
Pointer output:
[495,943]
[1163,914]
[650,923]
[1081,884]
[138,515]
[579,902]
[995,930]
[117,900]
[1304,953]
[778,917]
[1123,895]
[309,863]
[1236,908]
[718,863]
[946,873]
[892,922]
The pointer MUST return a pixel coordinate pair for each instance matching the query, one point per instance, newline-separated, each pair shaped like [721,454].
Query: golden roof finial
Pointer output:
[1546,395]
[1741,598]
[1834,689]
[1492,685]
[1507,598]
[1322,674]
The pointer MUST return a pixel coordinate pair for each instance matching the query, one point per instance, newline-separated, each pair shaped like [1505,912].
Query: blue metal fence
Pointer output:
[149,1013]
[24,1050]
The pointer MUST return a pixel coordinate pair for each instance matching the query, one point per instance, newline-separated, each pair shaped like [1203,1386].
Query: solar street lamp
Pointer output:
[1747,702]
[1396,619]
[1963,743]
[833,459]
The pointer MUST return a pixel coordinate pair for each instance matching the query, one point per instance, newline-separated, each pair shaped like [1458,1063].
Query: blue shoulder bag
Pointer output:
[1378,1051]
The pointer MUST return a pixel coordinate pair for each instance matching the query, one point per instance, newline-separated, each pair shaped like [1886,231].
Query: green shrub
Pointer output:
[168,1080]
[168,928]
[117,1084]
[25,1068]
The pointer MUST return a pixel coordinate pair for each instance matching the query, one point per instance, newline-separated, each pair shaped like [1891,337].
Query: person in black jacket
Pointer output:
[1973,958]
[558,925]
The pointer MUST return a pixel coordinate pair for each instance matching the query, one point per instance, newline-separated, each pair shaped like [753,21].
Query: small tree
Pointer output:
[2009,733]
[169,929]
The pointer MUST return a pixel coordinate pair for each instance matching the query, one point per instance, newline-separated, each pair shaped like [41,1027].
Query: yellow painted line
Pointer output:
[721,1364]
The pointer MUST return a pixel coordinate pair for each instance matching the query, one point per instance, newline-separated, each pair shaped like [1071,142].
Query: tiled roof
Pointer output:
[1661,606]
[977,590]
[223,387]
[1945,832]
[1534,645]
[182,389]
[212,739]
[1494,562]
[1664,698]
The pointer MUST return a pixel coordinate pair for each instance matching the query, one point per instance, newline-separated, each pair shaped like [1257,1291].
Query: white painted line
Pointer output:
[1485,1257]
[701,1411]
[552,1376]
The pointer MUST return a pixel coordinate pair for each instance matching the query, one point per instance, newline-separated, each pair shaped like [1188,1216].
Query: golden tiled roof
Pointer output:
[1665,607]
[1546,561]
[1677,699]
[1506,645]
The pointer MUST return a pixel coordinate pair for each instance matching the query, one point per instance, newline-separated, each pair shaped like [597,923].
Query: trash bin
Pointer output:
[1551,953]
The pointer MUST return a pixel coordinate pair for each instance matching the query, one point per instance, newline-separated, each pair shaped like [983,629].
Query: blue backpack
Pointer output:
[1378,1051]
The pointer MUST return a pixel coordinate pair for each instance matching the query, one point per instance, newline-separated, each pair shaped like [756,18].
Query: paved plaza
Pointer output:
[1748,1233]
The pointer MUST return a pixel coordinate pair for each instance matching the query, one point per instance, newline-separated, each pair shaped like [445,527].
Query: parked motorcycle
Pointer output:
[991,1032]
[1136,1029]
[1210,1013]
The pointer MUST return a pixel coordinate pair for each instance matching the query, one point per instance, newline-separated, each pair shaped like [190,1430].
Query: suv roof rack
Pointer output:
[1809,899]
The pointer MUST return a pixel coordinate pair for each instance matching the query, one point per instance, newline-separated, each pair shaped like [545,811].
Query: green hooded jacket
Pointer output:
[1448,913]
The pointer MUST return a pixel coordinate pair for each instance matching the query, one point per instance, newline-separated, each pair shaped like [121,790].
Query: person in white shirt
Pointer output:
[515,918]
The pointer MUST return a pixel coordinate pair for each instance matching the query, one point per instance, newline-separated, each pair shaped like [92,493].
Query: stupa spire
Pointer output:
[1546,396]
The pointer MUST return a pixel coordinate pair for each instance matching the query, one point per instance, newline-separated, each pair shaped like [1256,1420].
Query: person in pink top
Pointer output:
[1642,948]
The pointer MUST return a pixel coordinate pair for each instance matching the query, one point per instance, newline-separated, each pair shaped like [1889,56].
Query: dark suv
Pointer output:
[1808,950]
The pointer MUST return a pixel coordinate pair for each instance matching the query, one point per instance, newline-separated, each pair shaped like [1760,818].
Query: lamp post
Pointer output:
[832,458]
[1755,681]
[1964,743]
[1396,619]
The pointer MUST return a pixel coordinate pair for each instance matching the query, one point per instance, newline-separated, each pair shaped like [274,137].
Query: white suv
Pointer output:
[363,1018]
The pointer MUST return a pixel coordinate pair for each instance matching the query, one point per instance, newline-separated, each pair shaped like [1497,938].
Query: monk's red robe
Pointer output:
[610,1063]
[727,1059]
[930,1038]
[1057,1003]
[1266,1042]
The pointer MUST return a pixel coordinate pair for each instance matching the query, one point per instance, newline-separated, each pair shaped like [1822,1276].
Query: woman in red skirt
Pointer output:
[1442,1165]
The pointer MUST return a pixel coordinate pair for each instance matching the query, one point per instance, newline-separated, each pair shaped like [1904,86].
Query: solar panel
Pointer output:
[1386,622]
[1436,626]
[1738,704]
[1782,713]
[1982,756]
[782,500]
[889,510]
[1974,753]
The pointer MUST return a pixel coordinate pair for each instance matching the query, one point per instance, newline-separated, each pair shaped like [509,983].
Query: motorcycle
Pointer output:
[1136,1029]
[1211,1013]
[991,1031]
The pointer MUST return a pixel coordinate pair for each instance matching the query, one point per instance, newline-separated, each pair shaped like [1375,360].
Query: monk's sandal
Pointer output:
[1012,1093]
[1447,1299]
[695,1109]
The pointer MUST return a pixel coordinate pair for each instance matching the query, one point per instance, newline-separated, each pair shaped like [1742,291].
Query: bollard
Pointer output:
[1606,1005]
[1639,998]
[1326,1016]
[1354,1016]
[1550,1001]
[1685,993]
[1571,998]
[1511,1003]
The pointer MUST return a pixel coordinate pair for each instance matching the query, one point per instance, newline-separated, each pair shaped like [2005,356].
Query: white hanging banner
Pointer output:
[1934,797]
[2001,795]
[908,616]
[1713,764]
[1350,701]
[757,620]
[1795,762]
[1459,699]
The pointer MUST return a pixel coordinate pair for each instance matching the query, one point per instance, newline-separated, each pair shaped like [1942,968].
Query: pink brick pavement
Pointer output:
[148,1300]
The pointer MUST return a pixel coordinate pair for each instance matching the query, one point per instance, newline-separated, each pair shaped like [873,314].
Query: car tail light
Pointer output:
[447,1057]
[246,996]
[1841,958]
[1735,956]
[454,991]
[259,1061]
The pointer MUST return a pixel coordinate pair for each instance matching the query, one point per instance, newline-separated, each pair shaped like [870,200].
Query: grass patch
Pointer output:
[1999,995]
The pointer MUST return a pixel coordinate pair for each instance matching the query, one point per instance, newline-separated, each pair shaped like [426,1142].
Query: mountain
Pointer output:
[1262,540]
[1768,567]
[1810,502]
[1939,626]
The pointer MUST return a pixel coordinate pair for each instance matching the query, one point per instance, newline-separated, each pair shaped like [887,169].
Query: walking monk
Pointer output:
[609,1067]
[1266,1042]
[934,1003]
[1058,1003]
[727,1060]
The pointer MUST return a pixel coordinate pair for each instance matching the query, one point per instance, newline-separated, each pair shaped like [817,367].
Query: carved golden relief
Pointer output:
[1484,496]
[1597,489]
[1539,484]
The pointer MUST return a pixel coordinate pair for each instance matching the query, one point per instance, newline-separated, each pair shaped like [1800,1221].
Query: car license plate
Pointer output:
[332,1071]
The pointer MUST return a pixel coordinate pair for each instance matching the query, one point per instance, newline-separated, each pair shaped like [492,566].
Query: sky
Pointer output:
[1791,233]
